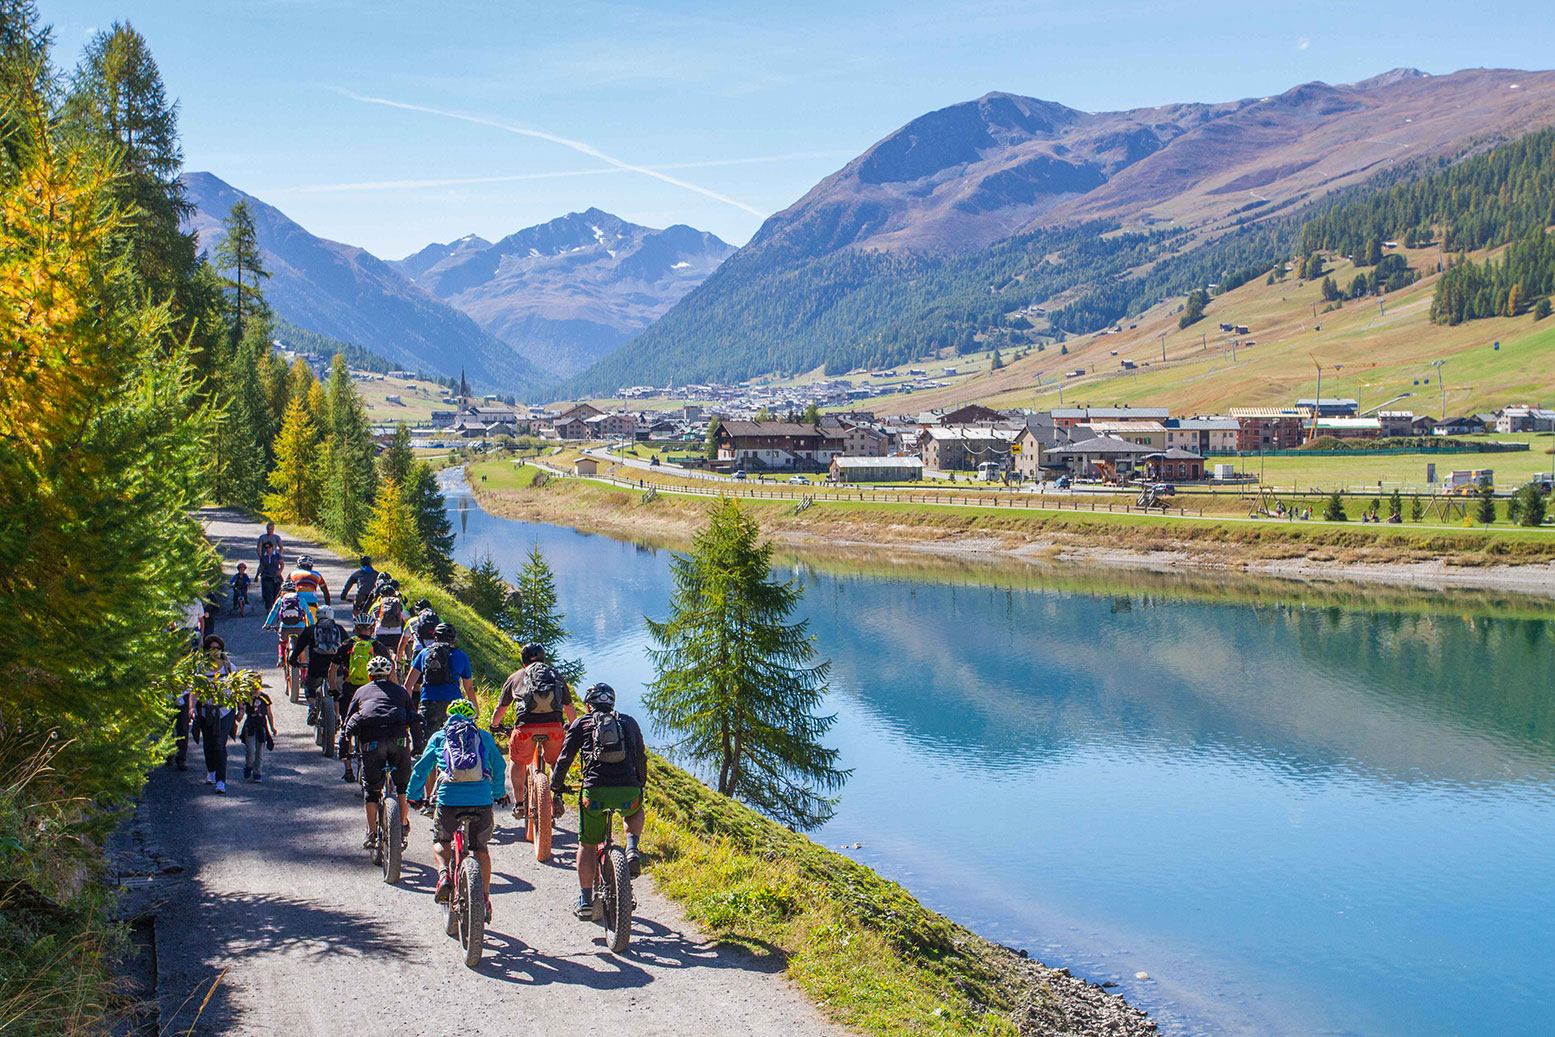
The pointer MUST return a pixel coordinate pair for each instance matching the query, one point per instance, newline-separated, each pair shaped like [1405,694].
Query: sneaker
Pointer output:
[518,810]
[313,716]
[371,840]
[258,779]
[210,777]
[405,836]
[634,863]
[558,808]
[488,910]
[445,888]
[221,786]
[247,774]
[346,775]
[583,907]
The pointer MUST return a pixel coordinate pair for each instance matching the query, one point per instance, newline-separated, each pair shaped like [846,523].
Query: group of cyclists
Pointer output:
[404,693]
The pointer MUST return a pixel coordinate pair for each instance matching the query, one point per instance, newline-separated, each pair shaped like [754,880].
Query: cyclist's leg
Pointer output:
[521,748]
[480,833]
[374,763]
[401,765]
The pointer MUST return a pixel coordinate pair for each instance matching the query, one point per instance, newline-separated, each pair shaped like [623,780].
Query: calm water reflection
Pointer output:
[1296,817]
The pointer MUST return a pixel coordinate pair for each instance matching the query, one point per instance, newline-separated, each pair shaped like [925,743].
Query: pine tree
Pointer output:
[812,413]
[239,253]
[1396,506]
[736,681]
[294,481]
[1334,511]
[1531,506]
[391,531]
[430,509]
[710,440]
[352,475]
[1416,509]
[241,429]
[1541,309]
[537,619]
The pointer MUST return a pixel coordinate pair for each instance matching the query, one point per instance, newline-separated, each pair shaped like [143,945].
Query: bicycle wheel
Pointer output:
[539,814]
[390,834]
[618,905]
[328,722]
[472,911]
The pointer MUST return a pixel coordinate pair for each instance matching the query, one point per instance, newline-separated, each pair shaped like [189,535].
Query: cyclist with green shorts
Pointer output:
[615,772]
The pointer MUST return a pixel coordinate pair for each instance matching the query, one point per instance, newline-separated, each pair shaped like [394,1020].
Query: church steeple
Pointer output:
[464,392]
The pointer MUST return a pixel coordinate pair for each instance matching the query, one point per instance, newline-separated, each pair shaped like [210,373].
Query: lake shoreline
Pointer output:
[672,521]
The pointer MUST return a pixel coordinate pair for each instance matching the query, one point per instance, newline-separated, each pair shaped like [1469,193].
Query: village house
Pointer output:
[1145,433]
[1203,435]
[776,444]
[969,414]
[1267,428]
[615,425]
[1106,457]
[1457,427]
[876,469]
[858,439]
[1525,419]
[1396,423]
[962,449]
[1174,465]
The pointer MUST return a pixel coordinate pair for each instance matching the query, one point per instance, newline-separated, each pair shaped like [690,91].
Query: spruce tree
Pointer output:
[395,462]
[536,618]
[1416,509]
[294,481]
[391,531]
[485,591]
[1334,511]
[1531,506]
[352,475]
[241,431]
[1396,506]
[429,508]
[1485,511]
[736,681]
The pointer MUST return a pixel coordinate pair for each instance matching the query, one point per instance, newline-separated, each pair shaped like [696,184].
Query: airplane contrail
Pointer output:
[575,145]
[407,184]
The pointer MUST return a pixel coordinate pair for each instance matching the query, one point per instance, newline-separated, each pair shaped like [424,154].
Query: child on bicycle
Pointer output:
[240,582]
[615,772]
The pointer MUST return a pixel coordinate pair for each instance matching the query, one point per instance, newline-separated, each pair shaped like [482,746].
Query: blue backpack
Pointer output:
[464,752]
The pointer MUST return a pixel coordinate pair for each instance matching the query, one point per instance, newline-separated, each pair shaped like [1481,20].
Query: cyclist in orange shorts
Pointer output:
[542,704]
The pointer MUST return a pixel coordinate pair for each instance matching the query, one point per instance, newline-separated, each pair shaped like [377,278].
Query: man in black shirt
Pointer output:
[541,703]
[615,772]
[380,717]
[322,641]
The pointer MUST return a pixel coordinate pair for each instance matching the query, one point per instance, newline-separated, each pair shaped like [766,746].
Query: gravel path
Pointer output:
[276,890]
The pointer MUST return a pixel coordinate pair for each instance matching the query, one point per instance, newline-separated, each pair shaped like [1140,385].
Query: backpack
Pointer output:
[291,612]
[361,655]
[464,751]
[426,625]
[542,689]
[327,636]
[390,612]
[609,738]
[437,669]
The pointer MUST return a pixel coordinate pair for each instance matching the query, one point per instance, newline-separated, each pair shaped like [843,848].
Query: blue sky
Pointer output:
[506,113]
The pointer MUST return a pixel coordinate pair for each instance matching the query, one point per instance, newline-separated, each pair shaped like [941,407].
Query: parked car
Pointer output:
[740,475]
[1064,482]
[1162,489]
[799,480]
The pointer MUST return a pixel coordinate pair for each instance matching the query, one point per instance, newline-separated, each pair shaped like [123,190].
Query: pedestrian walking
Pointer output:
[258,733]
[215,724]
[270,574]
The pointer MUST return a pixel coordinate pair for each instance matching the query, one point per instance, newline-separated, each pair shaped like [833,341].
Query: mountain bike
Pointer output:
[613,901]
[389,845]
[464,915]
[328,721]
[239,604]
[539,801]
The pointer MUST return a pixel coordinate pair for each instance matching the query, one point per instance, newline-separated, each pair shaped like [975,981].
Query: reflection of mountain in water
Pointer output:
[1006,678]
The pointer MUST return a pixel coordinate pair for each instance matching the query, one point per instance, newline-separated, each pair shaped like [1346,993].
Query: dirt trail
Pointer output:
[276,890]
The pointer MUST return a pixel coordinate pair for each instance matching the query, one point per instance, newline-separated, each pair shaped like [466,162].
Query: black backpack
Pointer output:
[542,689]
[437,670]
[327,636]
[390,612]
[426,625]
[609,741]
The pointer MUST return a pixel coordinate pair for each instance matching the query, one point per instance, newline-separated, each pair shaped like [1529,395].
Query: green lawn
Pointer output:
[1399,471]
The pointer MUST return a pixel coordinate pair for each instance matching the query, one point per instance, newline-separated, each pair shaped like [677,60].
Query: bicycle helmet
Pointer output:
[445,632]
[380,666]
[534,651]
[288,586]
[462,708]
[600,695]
[242,567]
[423,606]
[366,561]
[305,562]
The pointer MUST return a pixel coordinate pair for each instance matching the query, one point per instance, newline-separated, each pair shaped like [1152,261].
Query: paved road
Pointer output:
[277,891]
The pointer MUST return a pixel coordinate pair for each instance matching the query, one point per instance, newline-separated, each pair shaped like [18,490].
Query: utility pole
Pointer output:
[1203,342]
[1441,385]
[1233,351]
[1162,337]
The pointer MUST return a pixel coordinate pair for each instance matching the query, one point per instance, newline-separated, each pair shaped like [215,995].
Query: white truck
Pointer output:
[1468,482]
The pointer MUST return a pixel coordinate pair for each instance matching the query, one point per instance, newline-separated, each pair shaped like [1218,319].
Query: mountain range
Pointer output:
[965,214]
[514,315]
[565,293]
[345,292]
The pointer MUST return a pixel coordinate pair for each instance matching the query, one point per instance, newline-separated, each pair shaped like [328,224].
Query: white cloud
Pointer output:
[1303,43]
[575,145]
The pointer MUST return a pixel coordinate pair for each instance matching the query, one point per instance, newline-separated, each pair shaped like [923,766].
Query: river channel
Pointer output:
[1299,810]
